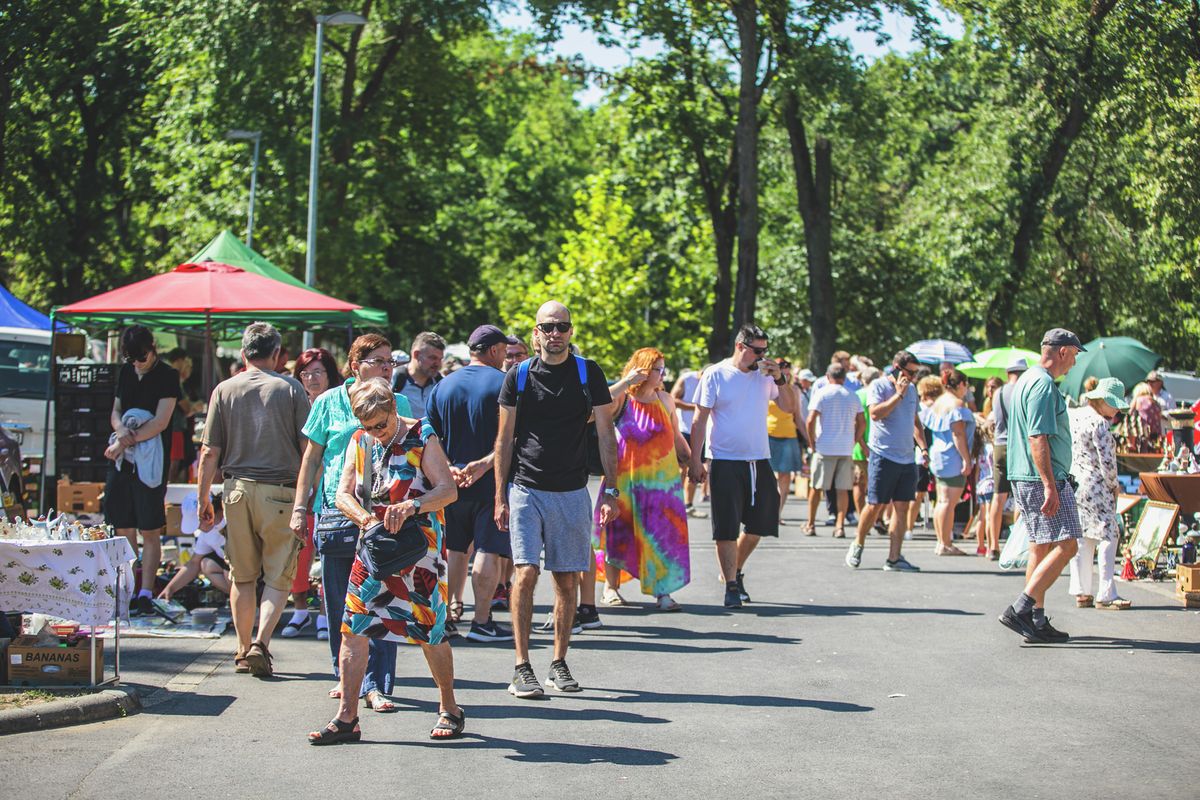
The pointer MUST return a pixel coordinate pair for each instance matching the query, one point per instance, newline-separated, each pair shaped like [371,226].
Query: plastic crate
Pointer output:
[88,375]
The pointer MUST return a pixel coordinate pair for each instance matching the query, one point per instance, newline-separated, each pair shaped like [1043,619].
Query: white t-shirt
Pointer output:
[691,382]
[210,542]
[737,427]
[837,409]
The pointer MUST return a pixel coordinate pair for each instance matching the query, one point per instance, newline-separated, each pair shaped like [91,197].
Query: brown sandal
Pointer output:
[258,657]
[240,664]
[1084,600]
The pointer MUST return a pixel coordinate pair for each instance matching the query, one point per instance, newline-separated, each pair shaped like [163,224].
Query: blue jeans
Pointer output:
[381,659]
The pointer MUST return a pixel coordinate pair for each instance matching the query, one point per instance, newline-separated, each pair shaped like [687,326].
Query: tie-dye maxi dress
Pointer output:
[410,606]
[649,538]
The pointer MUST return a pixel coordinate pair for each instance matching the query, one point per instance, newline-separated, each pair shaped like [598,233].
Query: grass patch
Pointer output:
[30,697]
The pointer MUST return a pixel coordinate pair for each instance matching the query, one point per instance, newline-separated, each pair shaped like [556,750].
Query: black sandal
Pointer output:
[449,722]
[336,732]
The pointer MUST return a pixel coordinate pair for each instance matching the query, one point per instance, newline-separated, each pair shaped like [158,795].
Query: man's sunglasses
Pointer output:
[551,327]
[758,351]
[136,359]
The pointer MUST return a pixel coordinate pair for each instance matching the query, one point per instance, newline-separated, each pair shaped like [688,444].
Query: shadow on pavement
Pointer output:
[643,646]
[640,631]
[747,700]
[809,610]
[1153,646]
[186,704]
[552,752]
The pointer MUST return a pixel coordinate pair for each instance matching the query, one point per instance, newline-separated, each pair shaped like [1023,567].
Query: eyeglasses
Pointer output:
[380,428]
[659,370]
[306,375]
[550,327]
[388,363]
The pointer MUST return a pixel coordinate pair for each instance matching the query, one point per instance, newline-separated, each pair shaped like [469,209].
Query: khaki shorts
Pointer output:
[258,539]
[832,472]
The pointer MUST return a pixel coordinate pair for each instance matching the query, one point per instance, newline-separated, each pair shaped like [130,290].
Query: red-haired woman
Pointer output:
[649,539]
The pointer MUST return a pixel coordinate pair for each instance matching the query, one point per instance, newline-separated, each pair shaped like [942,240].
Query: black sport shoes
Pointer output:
[1048,634]
[741,582]
[733,598]
[1021,624]
[560,678]
[524,683]
[490,631]
[588,618]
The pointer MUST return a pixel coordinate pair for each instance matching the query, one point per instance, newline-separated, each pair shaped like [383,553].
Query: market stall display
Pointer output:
[1156,523]
[1180,489]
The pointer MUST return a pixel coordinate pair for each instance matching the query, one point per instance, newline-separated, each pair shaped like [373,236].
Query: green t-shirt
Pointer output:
[1038,408]
[330,424]
[858,454]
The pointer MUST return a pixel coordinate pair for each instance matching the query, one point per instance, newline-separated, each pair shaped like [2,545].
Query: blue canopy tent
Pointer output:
[15,314]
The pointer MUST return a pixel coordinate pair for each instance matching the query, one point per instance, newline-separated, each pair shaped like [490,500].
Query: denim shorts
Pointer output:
[785,454]
[888,481]
[556,523]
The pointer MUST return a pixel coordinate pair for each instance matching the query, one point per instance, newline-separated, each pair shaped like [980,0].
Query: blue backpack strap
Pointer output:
[523,374]
[581,365]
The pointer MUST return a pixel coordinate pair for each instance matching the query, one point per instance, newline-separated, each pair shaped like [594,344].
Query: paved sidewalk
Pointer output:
[832,683]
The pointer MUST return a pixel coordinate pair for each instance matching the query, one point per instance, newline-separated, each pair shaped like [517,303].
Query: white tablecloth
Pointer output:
[72,580]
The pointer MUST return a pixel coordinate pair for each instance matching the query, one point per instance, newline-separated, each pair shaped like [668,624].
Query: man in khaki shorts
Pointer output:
[835,423]
[253,431]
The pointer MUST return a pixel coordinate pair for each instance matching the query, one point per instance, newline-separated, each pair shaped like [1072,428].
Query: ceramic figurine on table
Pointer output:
[1165,464]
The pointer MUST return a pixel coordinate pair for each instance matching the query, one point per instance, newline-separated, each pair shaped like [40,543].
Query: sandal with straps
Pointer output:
[375,701]
[449,722]
[454,611]
[336,732]
[258,657]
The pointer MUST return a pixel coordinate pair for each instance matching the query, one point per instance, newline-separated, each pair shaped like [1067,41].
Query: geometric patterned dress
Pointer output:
[649,538]
[411,605]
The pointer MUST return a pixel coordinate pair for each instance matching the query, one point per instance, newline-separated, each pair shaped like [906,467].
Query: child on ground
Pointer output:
[208,557]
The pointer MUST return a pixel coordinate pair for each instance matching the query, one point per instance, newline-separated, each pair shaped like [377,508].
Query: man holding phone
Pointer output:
[891,466]
[735,394]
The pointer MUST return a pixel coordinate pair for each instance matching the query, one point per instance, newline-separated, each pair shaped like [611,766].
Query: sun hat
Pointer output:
[1111,391]
[1018,364]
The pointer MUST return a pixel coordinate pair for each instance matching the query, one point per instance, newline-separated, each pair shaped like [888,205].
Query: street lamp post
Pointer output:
[256,137]
[310,260]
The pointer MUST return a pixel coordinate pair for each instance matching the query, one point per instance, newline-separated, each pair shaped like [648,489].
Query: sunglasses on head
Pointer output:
[550,327]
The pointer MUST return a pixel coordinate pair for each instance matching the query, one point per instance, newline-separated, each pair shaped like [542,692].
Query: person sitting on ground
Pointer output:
[208,557]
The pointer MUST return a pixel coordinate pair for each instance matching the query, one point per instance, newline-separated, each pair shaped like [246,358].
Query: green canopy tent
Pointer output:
[225,248]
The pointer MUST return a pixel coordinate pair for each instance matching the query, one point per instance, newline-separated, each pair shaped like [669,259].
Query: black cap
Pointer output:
[1061,337]
[487,335]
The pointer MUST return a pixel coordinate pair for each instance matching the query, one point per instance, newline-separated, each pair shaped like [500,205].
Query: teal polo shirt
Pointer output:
[1038,408]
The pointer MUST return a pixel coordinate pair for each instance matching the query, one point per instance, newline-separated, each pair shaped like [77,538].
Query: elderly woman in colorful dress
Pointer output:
[1094,464]
[409,478]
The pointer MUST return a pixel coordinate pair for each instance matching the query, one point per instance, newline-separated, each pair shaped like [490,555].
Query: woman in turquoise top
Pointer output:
[953,427]
[330,426]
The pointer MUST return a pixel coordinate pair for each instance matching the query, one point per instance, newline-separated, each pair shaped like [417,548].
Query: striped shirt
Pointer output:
[837,409]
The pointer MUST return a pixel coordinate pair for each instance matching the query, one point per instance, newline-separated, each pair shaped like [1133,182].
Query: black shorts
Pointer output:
[738,502]
[129,503]
[1000,468]
[473,522]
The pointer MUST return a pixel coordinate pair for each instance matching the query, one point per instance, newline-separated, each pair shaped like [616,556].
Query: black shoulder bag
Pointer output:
[384,554]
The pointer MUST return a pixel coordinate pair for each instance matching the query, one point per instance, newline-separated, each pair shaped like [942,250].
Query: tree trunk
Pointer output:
[814,181]
[746,136]
[724,224]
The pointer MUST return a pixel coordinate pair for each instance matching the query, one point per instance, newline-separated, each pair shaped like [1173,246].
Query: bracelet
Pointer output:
[299,508]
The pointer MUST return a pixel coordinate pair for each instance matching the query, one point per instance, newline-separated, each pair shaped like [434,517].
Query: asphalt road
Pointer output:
[832,683]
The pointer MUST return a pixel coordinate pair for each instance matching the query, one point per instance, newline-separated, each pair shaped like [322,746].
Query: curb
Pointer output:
[106,704]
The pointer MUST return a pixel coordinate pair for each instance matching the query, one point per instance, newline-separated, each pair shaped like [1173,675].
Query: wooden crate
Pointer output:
[1189,599]
[1187,577]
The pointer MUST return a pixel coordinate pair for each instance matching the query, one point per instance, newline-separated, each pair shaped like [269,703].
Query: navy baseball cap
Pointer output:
[487,335]
[1061,337]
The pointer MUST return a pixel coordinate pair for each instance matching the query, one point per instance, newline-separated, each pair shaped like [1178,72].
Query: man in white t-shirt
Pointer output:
[684,395]
[835,423]
[731,414]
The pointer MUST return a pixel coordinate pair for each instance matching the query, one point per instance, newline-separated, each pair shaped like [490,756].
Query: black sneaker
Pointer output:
[524,683]
[587,618]
[489,631]
[733,598]
[560,679]
[741,582]
[1021,624]
[1048,633]
[548,625]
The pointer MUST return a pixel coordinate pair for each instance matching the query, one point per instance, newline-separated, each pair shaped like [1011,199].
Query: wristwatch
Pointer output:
[416,504]
[780,381]
[612,491]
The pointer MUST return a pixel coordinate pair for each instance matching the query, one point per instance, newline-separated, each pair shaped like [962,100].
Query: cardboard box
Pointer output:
[1187,577]
[80,498]
[174,520]
[29,665]
[1189,599]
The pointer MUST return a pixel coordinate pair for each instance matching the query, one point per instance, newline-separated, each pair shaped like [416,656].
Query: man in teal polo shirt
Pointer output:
[1039,467]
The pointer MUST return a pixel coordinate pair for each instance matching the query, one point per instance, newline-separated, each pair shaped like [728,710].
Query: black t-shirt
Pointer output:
[550,453]
[464,413]
[161,381]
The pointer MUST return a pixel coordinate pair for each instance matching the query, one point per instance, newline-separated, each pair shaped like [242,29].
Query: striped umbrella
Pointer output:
[935,351]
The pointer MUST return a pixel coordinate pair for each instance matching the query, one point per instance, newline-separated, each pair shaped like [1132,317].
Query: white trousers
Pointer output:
[1081,568]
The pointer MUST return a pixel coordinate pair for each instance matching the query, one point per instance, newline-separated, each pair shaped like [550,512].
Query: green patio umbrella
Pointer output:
[994,363]
[1120,357]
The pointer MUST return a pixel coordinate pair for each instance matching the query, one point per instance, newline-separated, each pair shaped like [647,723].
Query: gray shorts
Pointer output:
[559,523]
[1029,496]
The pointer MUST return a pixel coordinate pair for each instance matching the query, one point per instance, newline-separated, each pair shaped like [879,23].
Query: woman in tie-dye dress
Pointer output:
[649,539]
[395,469]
